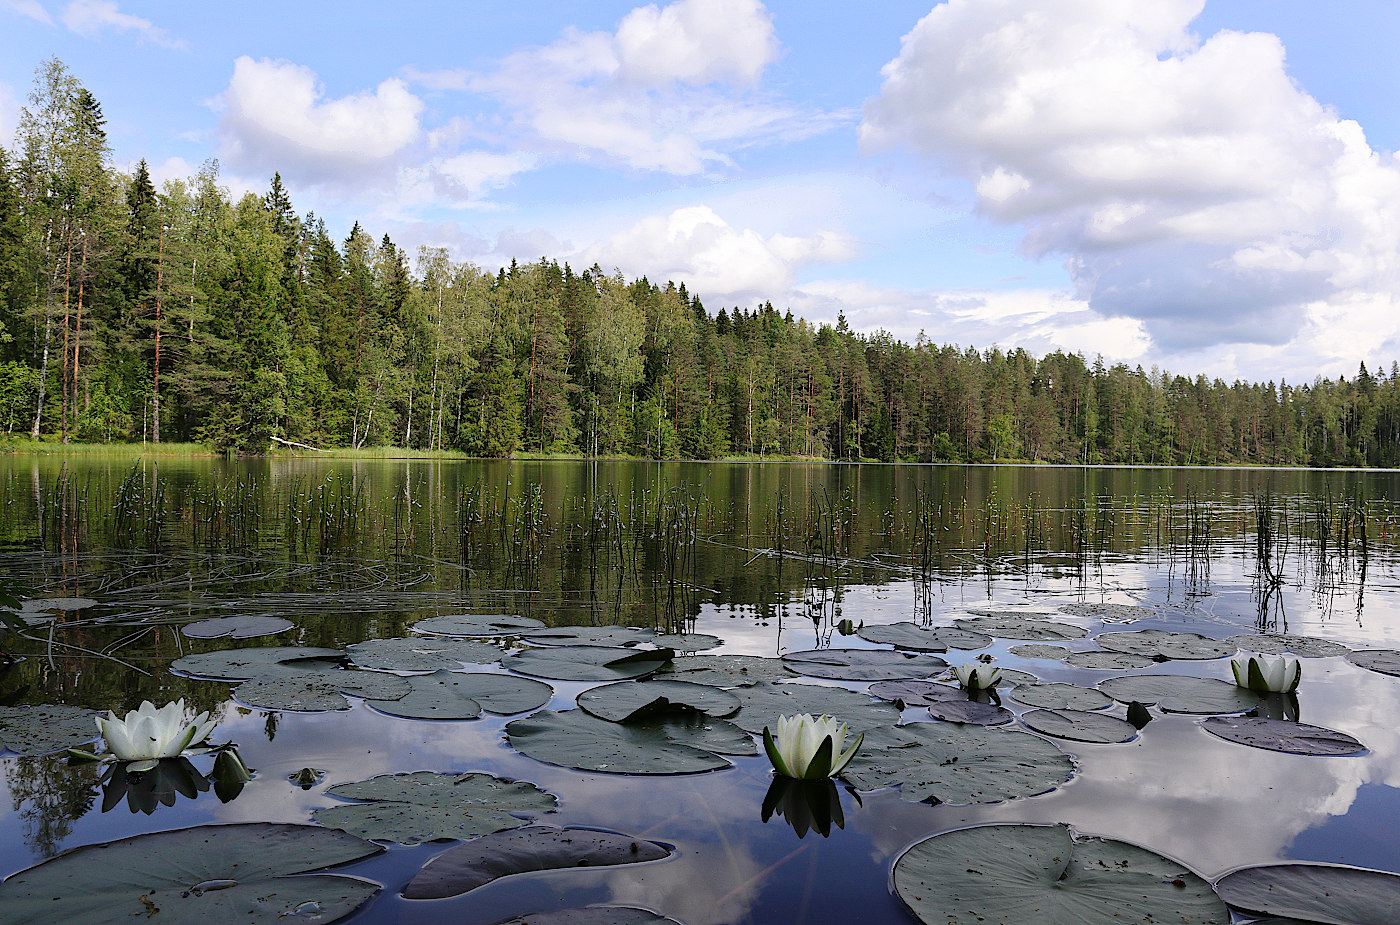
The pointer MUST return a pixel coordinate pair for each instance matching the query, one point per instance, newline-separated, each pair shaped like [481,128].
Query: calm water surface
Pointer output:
[770,558]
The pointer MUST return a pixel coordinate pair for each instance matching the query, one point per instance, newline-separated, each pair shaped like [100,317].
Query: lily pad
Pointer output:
[475,624]
[1279,735]
[242,627]
[728,670]
[1019,874]
[671,744]
[1108,661]
[43,728]
[523,850]
[904,636]
[1031,629]
[590,635]
[1385,661]
[961,764]
[252,662]
[592,915]
[463,695]
[1039,650]
[1287,643]
[212,873]
[1080,726]
[1180,694]
[763,703]
[1108,613]
[421,653]
[314,691]
[423,806]
[627,701]
[44,604]
[1328,893]
[944,701]
[1060,696]
[1160,645]
[863,664]
[686,642]
[588,663]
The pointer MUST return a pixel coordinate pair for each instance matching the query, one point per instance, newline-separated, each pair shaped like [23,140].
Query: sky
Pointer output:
[1208,186]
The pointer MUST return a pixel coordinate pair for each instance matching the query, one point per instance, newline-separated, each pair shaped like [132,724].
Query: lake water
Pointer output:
[770,558]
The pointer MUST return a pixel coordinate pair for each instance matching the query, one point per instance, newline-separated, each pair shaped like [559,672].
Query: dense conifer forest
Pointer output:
[136,314]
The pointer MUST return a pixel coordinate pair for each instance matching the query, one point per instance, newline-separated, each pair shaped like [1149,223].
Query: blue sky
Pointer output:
[1205,185]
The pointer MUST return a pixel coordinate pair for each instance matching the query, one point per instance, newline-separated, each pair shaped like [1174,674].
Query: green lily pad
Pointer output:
[475,624]
[1277,735]
[1385,661]
[1108,661]
[1080,726]
[592,915]
[588,663]
[1023,874]
[1060,696]
[1180,694]
[242,627]
[44,604]
[423,806]
[728,670]
[863,664]
[944,701]
[590,635]
[1039,650]
[627,701]
[763,703]
[1108,613]
[212,873]
[961,764]
[253,662]
[421,653]
[904,636]
[1032,629]
[44,728]
[463,695]
[671,744]
[532,848]
[686,642]
[1288,644]
[1160,645]
[1327,893]
[314,691]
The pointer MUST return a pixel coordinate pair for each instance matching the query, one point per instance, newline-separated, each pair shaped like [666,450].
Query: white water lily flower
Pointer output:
[1267,674]
[977,677]
[807,748]
[147,735]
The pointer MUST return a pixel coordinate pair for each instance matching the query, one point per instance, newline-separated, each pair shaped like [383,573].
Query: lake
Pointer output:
[772,559]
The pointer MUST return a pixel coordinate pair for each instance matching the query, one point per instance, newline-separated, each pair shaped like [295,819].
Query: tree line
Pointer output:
[131,313]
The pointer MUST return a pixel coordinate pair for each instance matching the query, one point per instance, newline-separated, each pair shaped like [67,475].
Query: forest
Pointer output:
[132,314]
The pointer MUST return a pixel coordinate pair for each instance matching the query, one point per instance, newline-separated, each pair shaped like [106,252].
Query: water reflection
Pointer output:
[806,805]
[171,779]
[48,796]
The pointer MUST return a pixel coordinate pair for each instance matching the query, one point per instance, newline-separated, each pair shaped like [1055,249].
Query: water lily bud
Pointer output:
[1267,674]
[977,677]
[807,748]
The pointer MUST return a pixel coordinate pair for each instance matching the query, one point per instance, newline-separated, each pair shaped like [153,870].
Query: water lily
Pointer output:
[147,735]
[1277,675]
[977,677]
[807,748]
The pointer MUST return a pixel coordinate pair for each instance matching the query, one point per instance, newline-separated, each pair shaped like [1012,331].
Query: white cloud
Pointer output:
[696,41]
[91,17]
[9,116]
[28,8]
[1190,184]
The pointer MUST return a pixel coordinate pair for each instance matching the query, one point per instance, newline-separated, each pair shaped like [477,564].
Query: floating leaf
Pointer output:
[590,635]
[944,701]
[520,851]
[763,703]
[1279,735]
[1011,626]
[1287,643]
[463,695]
[44,604]
[588,663]
[311,691]
[592,915]
[686,642]
[474,624]
[253,662]
[863,664]
[904,636]
[1385,661]
[1327,893]
[1059,696]
[1160,645]
[1108,661]
[1108,613]
[421,653]
[423,806]
[728,670]
[1180,694]
[241,627]
[212,873]
[43,728]
[1080,726]
[1039,650]
[626,701]
[671,744]
[1022,874]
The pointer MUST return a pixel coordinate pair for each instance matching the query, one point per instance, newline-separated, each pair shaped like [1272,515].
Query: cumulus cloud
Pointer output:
[1190,184]
[31,9]
[90,18]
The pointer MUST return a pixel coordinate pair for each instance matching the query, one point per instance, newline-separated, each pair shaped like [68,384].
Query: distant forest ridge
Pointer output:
[179,315]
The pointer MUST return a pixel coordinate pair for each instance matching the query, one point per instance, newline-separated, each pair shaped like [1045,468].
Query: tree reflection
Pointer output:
[49,796]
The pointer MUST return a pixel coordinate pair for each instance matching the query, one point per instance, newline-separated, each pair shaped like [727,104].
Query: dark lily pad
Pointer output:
[476,624]
[212,873]
[1180,694]
[588,663]
[904,636]
[592,915]
[590,635]
[1288,644]
[520,851]
[1032,629]
[951,763]
[422,653]
[1327,893]
[1160,645]
[43,728]
[314,691]
[728,670]
[1059,696]
[1279,735]
[463,695]
[626,701]
[1023,874]
[1108,613]
[863,664]
[1080,726]
[252,662]
[944,701]
[242,627]
[1039,650]
[423,806]
[686,642]
[672,744]
[763,703]
[45,604]
[1108,661]
[1385,661]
